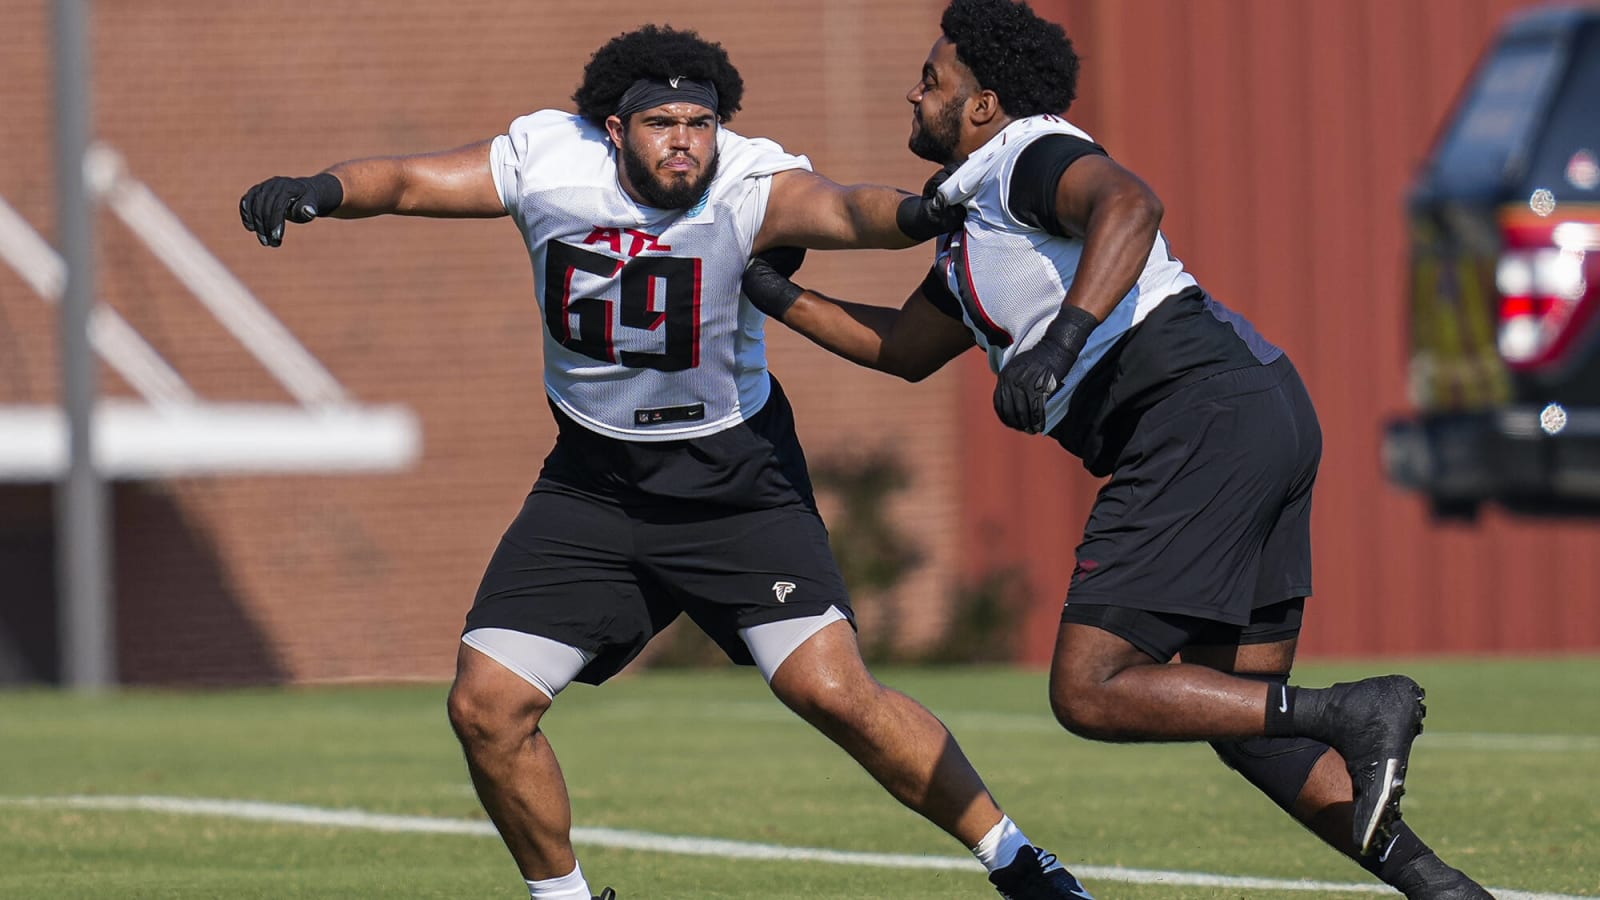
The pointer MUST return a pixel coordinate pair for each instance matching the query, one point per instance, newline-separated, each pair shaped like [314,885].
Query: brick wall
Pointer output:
[310,578]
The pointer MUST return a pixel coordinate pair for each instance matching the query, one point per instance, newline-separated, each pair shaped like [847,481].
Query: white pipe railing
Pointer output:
[175,431]
[256,328]
[117,342]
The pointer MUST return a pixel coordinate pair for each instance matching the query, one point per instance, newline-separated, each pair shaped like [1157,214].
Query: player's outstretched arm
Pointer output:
[911,342]
[454,183]
[808,210]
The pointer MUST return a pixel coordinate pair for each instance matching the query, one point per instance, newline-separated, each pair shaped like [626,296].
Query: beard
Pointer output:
[665,193]
[936,138]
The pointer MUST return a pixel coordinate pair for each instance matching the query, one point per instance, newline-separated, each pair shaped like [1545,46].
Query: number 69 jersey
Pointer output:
[647,336]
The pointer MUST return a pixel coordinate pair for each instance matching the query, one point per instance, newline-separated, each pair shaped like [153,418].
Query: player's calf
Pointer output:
[1278,767]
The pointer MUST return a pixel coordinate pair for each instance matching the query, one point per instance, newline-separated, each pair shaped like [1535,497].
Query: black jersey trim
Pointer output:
[1037,174]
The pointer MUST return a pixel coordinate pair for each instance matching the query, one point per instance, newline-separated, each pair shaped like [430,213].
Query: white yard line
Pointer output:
[684,845]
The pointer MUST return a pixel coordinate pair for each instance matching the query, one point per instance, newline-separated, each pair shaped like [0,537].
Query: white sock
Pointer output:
[570,886]
[999,847]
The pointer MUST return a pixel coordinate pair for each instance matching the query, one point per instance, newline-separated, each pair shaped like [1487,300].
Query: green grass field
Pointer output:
[1505,783]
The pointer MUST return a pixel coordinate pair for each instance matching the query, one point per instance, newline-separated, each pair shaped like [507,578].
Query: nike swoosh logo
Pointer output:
[1283,702]
[1384,856]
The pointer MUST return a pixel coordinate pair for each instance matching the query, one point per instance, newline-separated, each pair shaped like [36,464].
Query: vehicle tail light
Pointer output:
[1547,278]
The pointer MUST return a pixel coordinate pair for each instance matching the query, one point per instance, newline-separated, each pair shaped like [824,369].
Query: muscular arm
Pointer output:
[1063,185]
[1117,216]
[912,342]
[453,183]
[807,210]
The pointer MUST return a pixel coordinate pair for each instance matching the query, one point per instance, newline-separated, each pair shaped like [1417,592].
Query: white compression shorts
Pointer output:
[551,665]
[771,644]
[547,665]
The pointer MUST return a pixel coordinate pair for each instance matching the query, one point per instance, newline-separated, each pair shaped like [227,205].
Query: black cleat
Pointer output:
[1376,719]
[607,894]
[1428,878]
[1036,875]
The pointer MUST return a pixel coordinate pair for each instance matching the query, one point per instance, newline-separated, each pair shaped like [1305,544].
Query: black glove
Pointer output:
[766,279]
[265,207]
[1033,375]
[920,218]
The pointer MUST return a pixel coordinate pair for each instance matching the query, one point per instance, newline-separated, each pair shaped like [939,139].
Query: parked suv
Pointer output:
[1505,283]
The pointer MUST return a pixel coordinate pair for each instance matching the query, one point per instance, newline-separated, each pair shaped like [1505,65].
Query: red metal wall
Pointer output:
[1281,136]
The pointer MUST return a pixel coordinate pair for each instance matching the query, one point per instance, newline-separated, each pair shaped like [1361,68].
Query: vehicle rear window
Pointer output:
[1566,158]
[1495,122]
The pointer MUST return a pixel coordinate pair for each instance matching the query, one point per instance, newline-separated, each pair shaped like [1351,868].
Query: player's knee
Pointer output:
[1083,715]
[1082,706]
[1279,767]
[827,698]
[485,718]
[470,717]
[467,716]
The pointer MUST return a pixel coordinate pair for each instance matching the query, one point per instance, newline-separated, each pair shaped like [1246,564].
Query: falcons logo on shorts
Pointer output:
[782,589]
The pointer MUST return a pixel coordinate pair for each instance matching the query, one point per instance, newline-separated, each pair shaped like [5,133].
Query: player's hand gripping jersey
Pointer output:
[647,336]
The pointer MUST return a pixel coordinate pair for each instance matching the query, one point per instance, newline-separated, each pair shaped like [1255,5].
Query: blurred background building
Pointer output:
[1281,134]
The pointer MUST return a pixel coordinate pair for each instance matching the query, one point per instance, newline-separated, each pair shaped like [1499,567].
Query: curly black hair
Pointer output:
[655,52]
[1027,61]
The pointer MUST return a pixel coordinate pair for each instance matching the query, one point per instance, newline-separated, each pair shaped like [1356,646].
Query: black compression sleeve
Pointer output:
[937,290]
[1037,173]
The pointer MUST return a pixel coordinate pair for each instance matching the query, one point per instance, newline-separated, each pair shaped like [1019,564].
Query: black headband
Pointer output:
[647,93]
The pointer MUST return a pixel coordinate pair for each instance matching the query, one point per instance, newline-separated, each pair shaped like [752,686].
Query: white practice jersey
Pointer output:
[647,336]
[1011,276]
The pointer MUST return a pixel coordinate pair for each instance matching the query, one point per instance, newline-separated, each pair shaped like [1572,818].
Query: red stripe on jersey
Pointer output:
[650,303]
[611,338]
[694,353]
[566,305]
[972,291]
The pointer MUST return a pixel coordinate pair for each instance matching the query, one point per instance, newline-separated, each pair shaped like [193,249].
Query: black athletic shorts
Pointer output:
[619,537]
[1164,635]
[1208,510]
